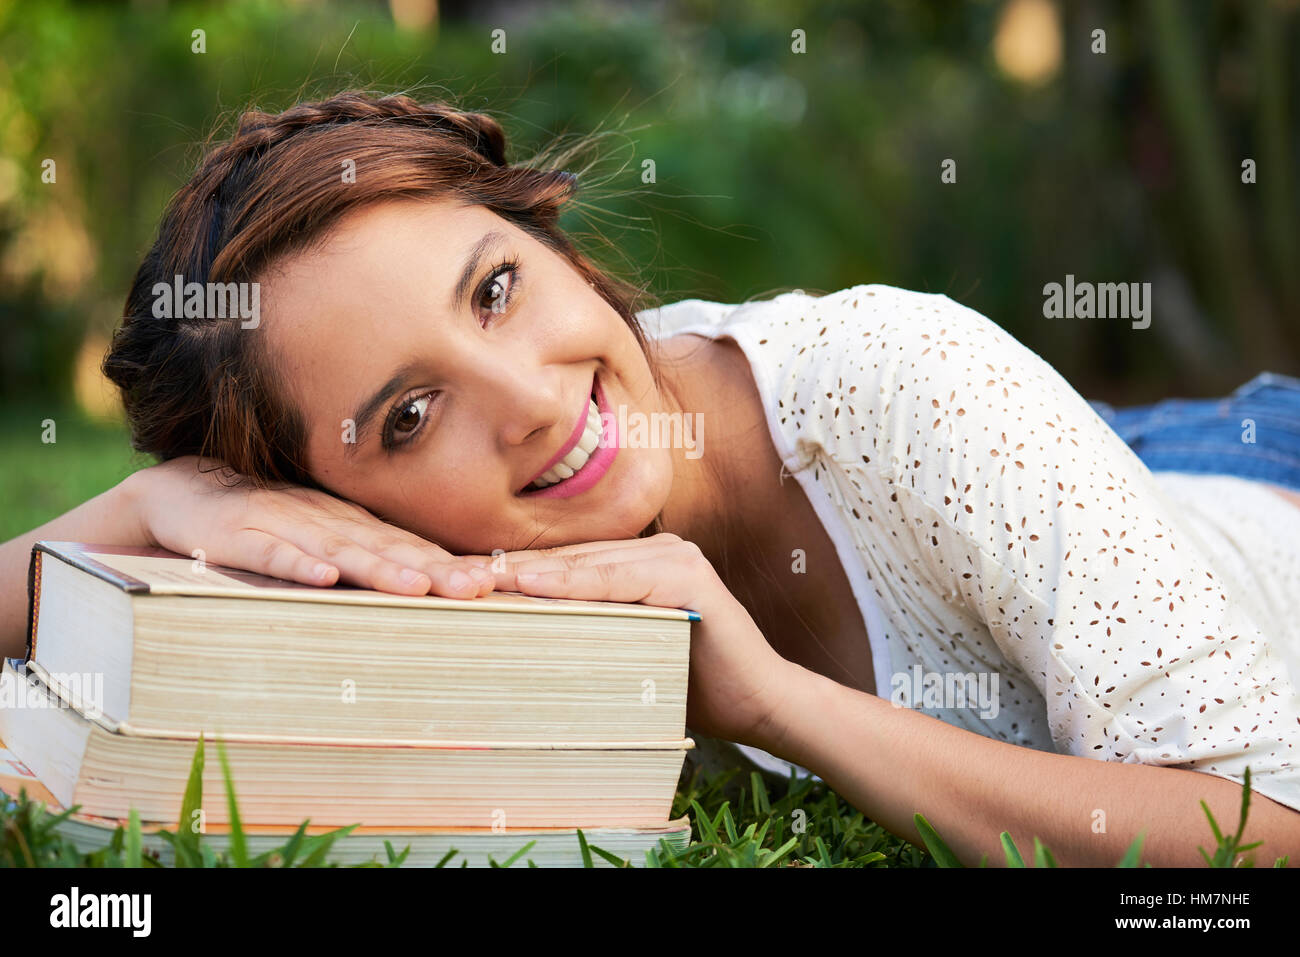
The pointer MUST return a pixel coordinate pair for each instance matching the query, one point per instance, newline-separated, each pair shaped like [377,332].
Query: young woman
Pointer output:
[926,568]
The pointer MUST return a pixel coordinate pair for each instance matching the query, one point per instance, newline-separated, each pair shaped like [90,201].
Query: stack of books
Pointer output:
[433,723]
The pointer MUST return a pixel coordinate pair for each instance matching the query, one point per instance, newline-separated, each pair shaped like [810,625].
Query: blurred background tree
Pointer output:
[774,169]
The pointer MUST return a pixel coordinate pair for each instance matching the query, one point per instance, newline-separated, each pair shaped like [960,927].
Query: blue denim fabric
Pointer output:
[1210,435]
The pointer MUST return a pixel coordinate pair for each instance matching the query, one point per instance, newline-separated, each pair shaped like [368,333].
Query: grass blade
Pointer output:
[1013,853]
[187,835]
[238,846]
[611,858]
[1218,835]
[586,851]
[708,833]
[395,859]
[320,846]
[941,852]
[1134,852]
[519,853]
[1042,856]
[762,806]
[133,840]
[729,824]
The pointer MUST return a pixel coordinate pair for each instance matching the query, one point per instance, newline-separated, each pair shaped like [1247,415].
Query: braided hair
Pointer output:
[203,385]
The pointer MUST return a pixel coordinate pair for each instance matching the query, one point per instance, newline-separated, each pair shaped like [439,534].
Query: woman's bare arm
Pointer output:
[111,518]
[892,762]
[287,532]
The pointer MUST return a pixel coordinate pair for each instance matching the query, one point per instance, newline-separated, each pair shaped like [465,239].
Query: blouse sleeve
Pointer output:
[1019,503]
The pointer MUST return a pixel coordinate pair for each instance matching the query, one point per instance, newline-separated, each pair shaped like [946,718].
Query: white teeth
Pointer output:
[578,455]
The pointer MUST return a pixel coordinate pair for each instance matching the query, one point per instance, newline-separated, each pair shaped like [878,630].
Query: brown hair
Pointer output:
[203,386]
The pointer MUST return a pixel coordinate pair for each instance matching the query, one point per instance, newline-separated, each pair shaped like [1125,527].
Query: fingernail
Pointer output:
[460,581]
[525,578]
[410,576]
[320,571]
[481,575]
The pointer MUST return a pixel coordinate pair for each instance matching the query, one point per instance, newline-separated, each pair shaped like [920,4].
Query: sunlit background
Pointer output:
[1117,159]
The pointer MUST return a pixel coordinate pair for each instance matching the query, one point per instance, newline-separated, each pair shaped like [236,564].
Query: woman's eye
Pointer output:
[407,420]
[498,294]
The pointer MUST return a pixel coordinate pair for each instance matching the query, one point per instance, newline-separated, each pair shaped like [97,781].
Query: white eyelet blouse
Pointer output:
[994,529]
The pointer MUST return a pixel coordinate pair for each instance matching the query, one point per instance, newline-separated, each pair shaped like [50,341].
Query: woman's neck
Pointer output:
[709,383]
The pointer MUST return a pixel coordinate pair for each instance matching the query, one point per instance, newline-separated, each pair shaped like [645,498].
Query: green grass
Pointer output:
[41,480]
[807,826]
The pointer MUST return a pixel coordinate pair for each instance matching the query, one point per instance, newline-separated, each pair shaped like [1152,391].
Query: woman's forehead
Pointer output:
[432,227]
[377,259]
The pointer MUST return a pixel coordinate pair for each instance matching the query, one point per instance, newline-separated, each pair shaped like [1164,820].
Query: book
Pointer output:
[171,645]
[472,847]
[108,768]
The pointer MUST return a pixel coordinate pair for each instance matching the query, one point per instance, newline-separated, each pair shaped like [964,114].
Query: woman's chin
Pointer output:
[622,509]
[625,519]
[581,532]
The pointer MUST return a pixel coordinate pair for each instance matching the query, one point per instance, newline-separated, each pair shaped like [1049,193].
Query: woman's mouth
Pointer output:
[585,458]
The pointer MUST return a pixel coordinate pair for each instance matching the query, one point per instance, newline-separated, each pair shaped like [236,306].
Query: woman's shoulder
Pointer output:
[797,321]
[835,370]
[812,354]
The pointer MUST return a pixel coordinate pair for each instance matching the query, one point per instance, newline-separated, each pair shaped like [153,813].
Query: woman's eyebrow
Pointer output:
[489,241]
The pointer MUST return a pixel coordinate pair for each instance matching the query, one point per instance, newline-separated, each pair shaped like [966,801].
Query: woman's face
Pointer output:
[443,360]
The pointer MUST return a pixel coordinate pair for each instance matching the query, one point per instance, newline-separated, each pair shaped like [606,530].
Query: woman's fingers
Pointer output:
[670,575]
[291,532]
[630,582]
[358,565]
[369,553]
[495,562]
[268,554]
[506,573]
[353,564]
[451,577]
[623,582]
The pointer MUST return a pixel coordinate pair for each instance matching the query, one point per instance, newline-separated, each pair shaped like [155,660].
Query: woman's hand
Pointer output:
[737,680]
[290,532]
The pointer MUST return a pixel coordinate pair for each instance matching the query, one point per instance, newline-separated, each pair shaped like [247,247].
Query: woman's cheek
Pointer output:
[648,478]
[468,522]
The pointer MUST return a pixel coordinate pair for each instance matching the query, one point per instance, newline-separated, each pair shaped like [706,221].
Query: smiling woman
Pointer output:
[435,376]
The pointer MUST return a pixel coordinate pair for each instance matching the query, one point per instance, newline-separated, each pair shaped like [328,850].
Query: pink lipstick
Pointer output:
[598,462]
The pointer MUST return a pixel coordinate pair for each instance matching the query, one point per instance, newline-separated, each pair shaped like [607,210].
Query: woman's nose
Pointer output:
[528,404]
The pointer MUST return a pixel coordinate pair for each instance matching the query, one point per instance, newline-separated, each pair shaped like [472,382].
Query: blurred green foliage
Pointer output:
[773,169]
[40,480]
